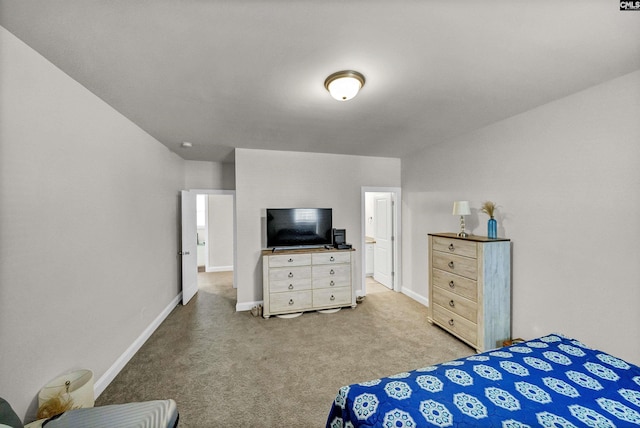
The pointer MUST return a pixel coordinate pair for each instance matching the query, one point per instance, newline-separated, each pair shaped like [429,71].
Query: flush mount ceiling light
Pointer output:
[344,85]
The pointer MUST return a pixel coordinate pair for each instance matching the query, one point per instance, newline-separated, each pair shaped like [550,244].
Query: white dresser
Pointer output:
[306,280]
[470,288]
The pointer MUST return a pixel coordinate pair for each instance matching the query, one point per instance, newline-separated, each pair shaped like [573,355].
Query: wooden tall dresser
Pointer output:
[470,288]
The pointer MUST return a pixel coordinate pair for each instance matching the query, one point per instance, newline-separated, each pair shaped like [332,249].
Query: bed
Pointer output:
[552,381]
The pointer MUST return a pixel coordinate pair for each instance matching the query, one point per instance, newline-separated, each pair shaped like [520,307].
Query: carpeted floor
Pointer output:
[230,369]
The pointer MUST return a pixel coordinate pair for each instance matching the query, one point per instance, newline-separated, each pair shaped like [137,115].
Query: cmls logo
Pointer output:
[629,5]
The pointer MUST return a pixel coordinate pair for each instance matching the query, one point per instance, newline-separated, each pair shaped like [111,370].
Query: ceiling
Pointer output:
[223,74]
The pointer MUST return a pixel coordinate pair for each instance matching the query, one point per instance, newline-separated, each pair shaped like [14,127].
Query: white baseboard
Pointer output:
[415,296]
[219,268]
[246,306]
[104,381]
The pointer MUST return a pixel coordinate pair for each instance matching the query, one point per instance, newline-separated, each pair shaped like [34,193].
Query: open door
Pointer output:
[383,256]
[189,247]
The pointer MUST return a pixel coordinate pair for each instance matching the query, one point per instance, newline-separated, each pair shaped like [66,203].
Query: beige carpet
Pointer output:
[230,369]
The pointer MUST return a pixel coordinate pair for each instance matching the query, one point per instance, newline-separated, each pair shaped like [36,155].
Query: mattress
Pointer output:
[552,381]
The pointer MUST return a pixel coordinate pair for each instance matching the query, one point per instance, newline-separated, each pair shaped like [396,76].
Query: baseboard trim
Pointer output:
[104,381]
[219,268]
[246,306]
[415,296]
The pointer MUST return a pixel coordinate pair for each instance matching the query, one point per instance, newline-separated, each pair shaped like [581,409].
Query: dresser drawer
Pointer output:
[459,265]
[323,275]
[289,260]
[456,324]
[278,286]
[454,246]
[327,297]
[456,304]
[331,258]
[462,286]
[290,302]
[289,274]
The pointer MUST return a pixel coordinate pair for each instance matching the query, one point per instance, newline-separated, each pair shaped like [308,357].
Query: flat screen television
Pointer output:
[299,227]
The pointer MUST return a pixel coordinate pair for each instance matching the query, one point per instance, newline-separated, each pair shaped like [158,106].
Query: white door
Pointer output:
[383,257]
[189,247]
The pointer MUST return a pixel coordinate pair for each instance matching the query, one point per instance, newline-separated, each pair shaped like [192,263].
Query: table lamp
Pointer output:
[462,209]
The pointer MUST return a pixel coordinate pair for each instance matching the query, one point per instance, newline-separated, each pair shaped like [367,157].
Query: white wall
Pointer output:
[95,198]
[209,175]
[566,177]
[276,179]
[220,239]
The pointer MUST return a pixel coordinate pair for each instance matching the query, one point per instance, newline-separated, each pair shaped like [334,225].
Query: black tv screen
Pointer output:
[298,227]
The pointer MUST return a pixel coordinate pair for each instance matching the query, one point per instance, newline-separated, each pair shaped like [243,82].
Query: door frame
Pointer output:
[235,222]
[396,197]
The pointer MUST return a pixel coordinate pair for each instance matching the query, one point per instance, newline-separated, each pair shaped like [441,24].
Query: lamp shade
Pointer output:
[344,85]
[461,208]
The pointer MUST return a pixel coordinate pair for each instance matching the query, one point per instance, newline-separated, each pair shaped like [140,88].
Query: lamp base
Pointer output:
[463,234]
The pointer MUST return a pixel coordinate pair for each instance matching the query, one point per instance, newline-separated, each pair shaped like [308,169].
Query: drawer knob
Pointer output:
[332,283]
[290,260]
[451,284]
[290,286]
[332,259]
[331,272]
[290,274]
[451,322]
[290,301]
[332,297]
[452,303]
[451,264]
[451,247]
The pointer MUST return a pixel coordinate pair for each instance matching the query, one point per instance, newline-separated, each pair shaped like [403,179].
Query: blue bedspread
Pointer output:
[552,381]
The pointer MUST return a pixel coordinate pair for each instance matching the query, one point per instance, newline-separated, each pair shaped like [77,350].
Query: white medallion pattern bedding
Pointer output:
[552,381]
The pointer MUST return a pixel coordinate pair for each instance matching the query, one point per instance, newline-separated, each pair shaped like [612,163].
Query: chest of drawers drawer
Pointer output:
[464,287]
[456,304]
[330,258]
[286,260]
[290,274]
[456,324]
[331,275]
[327,297]
[455,246]
[291,302]
[459,265]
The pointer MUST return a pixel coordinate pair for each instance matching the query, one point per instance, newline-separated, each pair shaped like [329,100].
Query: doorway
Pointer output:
[210,214]
[381,237]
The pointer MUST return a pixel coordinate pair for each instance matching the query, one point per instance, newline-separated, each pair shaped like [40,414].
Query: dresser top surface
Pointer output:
[475,238]
[303,250]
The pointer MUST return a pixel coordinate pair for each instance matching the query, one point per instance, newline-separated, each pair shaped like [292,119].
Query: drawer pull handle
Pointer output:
[451,323]
[290,286]
[451,284]
[332,259]
[332,283]
[451,247]
[290,301]
[451,264]
[290,274]
[331,272]
[290,260]
[332,297]
[452,303]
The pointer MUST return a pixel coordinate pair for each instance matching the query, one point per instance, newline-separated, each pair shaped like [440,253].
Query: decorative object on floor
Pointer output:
[70,391]
[462,209]
[344,85]
[489,208]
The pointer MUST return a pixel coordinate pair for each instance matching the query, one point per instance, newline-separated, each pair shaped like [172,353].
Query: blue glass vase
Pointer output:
[492,228]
